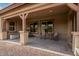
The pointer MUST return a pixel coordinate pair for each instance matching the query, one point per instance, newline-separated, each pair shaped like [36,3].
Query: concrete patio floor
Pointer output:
[58,46]
[10,49]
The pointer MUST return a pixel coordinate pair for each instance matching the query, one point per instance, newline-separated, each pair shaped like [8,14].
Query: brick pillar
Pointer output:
[23,33]
[3,34]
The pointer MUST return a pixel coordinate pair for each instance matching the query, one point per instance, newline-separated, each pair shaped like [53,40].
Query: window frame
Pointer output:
[12,26]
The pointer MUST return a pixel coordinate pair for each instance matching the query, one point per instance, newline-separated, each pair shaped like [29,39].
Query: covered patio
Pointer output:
[29,28]
[60,22]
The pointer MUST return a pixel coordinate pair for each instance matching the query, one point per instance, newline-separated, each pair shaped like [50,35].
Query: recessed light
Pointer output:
[50,10]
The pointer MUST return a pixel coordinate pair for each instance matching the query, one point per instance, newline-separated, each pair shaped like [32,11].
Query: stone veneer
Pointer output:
[23,37]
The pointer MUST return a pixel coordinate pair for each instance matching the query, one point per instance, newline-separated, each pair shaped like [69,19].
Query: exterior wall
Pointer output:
[18,23]
[18,26]
[60,24]
[69,30]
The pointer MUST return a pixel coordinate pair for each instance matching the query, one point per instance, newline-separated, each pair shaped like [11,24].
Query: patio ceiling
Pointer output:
[48,9]
[48,12]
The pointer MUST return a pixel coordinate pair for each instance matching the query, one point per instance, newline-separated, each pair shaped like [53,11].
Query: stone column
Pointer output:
[3,34]
[23,33]
[23,37]
[75,42]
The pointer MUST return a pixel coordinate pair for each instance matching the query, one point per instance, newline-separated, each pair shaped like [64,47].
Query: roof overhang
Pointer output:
[12,6]
[15,5]
[16,13]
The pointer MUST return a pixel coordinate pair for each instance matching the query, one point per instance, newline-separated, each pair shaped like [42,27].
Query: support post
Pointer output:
[23,33]
[78,20]
[39,28]
[3,34]
[75,43]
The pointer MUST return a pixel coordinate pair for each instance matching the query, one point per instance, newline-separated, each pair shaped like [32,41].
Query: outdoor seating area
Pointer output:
[47,26]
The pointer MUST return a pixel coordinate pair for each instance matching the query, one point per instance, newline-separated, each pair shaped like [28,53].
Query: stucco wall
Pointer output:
[60,24]
[18,23]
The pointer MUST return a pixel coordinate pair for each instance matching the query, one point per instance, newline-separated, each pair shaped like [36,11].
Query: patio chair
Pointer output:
[55,36]
[31,34]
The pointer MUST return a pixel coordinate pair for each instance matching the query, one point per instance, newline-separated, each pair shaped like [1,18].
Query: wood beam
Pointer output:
[73,6]
[23,16]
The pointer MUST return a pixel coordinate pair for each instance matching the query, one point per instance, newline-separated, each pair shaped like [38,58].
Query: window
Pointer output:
[48,26]
[12,26]
[33,27]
